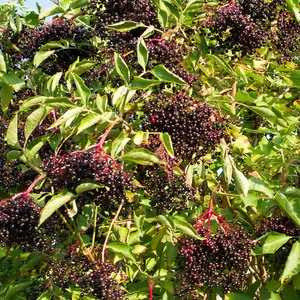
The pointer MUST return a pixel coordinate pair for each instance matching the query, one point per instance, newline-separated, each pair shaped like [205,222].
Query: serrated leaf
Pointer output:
[168,221]
[227,168]
[89,121]
[271,242]
[42,56]
[54,204]
[82,67]
[34,119]
[83,90]
[139,83]
[292,265]
[167,142]
[125,26]
[186,228]
[14,81]
[122,68]
[12,138]
[149,31]
[163,74]
[259,185]
[142,53]
[141,156]
[122,250]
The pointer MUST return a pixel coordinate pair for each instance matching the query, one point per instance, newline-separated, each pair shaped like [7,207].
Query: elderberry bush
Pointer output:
[194,127]
[220,261]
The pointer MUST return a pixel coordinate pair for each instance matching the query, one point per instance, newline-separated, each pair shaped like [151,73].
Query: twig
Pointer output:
[110,229]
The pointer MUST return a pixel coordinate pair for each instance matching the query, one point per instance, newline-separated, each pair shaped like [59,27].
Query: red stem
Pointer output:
[108,130]
[150,284]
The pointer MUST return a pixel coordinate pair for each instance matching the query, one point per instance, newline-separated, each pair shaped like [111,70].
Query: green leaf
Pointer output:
[167,221]
[186,228]
[12,138]
[259,185]
[2,64]
[42,56]
[163,74]
[295,78]
[125,26]
[14,81]
[69,114]
[34,119]
[54,204]
[141,156]
[139,222]
[119,144]
[16,288]
[162,17]
[271,243]
[268,113]
[167,142]
[82,67]
[292,265]
[222,64]
[89,121]
[101,102]
[54,81]
[83,90]
[227,168]
[139,83]
[6,94]
[51,11]
[122,250]
[122,68]
[293,6]
[242,182]
[87,186]
[142,53]
[79,3]
[55,45]
[238,296]
[291,206]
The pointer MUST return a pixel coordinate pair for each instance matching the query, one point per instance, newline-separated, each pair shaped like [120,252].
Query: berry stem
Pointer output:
[108,130]
[150,285]
[110,229]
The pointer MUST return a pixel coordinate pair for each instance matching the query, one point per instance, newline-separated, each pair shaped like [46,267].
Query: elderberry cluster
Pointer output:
[233,30]
[169,54]
[70,170]
[18,221]
[30,40]
[220,261]
[194,127]
[167,192]
[115,11]
[281,224]
[93,278]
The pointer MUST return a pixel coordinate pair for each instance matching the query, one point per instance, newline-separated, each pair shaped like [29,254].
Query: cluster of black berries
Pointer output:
[233,30]
[115,11]
[281,224]
[249,24]
[70,170]
[167,192]
[194,127]
[220,261]
[93,278]
[169,54]
[18,223]
[30,40]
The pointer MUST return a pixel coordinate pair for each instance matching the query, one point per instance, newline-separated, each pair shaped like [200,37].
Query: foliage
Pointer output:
[150,150]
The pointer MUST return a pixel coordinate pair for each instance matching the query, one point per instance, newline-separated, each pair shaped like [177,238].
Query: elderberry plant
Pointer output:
[150,150]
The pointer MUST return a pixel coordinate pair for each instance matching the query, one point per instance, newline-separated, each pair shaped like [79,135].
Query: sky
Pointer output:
[32,3]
